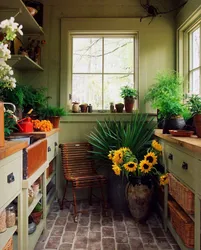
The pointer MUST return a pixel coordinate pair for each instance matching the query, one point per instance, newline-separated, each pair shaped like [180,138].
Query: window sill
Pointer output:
[94,116]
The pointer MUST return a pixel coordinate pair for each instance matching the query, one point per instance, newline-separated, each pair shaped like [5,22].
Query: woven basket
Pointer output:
[9,245]
[183,196]
[182,223]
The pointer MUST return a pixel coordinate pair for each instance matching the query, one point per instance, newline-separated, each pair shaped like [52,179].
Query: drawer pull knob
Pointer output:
[170,156]
[10,178]
[184,165]
[55,144]
[49,149]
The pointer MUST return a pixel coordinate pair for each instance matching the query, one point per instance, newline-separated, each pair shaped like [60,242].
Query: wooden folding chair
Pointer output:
[79,170]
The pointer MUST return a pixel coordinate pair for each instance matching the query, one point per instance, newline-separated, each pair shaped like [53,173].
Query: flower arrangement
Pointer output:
[126,163]
[43,125]
[9,29]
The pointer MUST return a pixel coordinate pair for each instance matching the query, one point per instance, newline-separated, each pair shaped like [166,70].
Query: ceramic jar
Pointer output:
[75,107]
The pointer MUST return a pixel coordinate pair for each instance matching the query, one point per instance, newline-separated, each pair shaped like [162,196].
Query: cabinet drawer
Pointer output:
[182,165]
[52,146]
[10,179]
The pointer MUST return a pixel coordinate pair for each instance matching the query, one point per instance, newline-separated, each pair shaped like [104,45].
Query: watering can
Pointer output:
[25,125]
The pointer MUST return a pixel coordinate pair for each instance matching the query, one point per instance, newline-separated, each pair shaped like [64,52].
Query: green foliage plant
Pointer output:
[9,123]
[15,96]
[111,135]
[50,111]
[38,208]
[166,94]
[194,104]
[127,91]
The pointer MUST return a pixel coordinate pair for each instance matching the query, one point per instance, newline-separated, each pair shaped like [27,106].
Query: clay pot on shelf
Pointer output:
[119,107]
[129,104]
[83,108]
[55,120]
[75,107]
[197,124]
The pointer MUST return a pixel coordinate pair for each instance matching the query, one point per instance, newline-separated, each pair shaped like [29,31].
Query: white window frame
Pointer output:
[183,48]
[102,36]
[83,26]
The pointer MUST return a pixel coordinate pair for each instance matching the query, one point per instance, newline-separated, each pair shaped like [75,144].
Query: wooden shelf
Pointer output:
[176,236]
[21,62]
[34,203]
[4,237]
[10,8]
[33,238]
[50,178]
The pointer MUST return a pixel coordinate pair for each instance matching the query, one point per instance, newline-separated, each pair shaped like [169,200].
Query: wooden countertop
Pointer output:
[192,143]
[40,134]
[11,147]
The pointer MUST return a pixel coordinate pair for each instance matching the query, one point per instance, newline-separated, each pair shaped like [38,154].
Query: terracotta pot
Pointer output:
[197,123]
[36,216]
[55,121]
[174,123]
[129,103]
[119,107]
[139,195]
[83,108]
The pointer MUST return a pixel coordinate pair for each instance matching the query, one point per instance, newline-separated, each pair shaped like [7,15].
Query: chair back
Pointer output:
[76,160]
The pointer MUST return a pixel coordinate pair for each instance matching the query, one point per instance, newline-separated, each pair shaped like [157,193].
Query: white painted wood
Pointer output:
[10,190]
[33,238]
[34,203]
[52,142]
[4,237]
[50,178]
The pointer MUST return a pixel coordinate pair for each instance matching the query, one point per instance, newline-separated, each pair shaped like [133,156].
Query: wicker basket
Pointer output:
[183,196]
[9,244]
[182,223]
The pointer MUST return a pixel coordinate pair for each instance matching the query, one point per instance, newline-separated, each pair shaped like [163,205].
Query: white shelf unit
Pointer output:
[10,8]
[21,63]
[50,177]
[33,238]
[4,237]
[34,203]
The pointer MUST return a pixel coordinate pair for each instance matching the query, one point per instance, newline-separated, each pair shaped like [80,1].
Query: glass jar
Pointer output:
[3,221]
[10,216]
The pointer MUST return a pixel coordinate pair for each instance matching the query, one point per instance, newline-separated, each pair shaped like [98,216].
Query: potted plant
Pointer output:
[53,114]
[111,135]
[37,213]
[119,107]
[9,123]
[129,94]
[194,105]
[166,96]
[139,172]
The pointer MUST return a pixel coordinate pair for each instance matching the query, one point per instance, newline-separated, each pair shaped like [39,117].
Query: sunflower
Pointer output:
[118,157]
[145,166]
[116,169]
[151,157]
[130,166]
[125,149]
[164,179]
[110,156]
[157,146]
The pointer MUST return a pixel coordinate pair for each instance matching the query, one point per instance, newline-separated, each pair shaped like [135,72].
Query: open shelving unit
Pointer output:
[5,236]
[10,8]
[21,62]
[34,203]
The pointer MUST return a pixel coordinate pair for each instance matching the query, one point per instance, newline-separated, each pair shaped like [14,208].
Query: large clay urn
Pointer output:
[129,103]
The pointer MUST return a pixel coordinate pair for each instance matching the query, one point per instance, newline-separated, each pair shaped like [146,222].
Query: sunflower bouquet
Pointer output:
[126,163]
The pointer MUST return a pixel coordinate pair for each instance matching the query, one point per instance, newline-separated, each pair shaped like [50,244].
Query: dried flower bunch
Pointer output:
[126,163]
[8,28]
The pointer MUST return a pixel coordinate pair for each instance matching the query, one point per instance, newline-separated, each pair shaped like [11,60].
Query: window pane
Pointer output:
[87,55]
[119,54]
[87,89]
[196,48]
[195,82]
[112,85]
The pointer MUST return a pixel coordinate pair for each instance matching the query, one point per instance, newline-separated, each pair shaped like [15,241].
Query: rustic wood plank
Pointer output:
[192,143]
[11,147]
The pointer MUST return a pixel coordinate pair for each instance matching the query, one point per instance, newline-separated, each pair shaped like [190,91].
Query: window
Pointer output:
[194,68]
[101,64]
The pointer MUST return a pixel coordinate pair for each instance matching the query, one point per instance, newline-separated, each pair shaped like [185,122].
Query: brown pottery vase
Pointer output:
[55,121]
[129,103]
[119,107]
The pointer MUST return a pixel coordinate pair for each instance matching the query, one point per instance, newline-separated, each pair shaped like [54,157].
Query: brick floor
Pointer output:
[93,231]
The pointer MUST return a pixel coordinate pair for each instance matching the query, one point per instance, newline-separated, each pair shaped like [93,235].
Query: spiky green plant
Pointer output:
[111,134]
